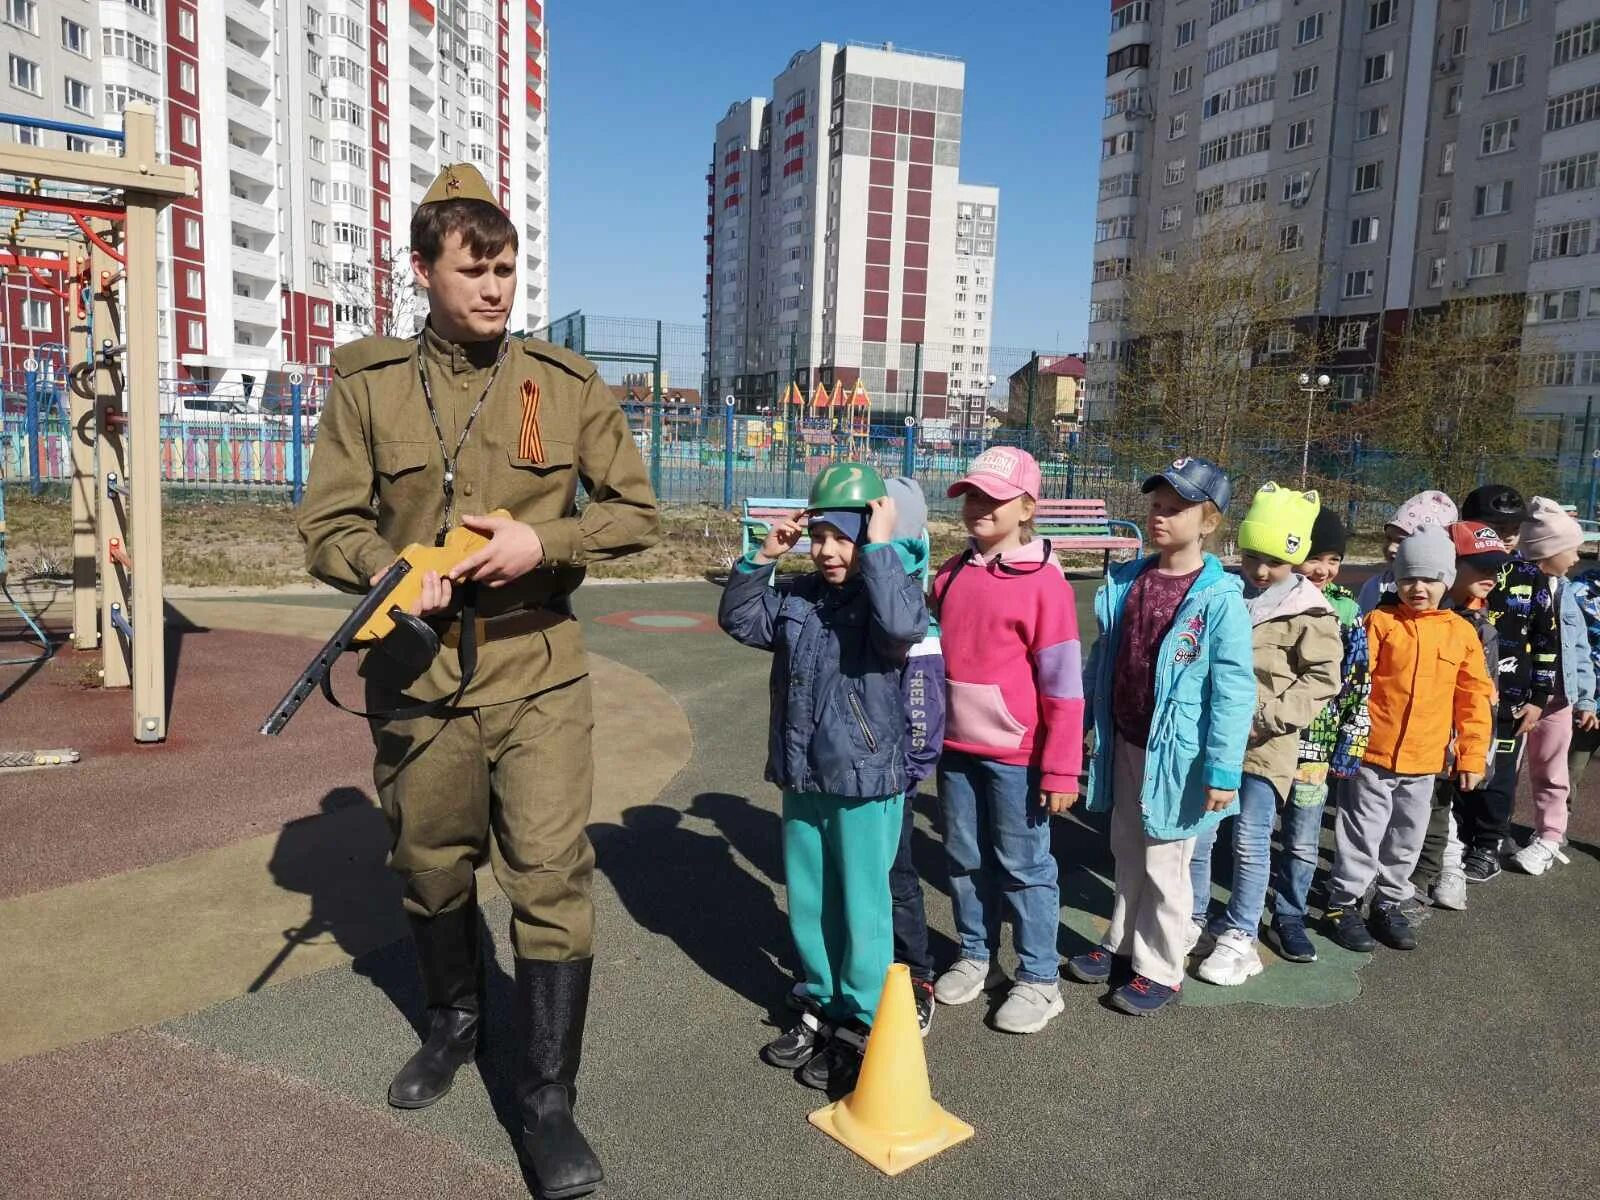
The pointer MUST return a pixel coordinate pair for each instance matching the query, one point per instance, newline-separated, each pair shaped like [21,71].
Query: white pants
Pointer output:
[1151,916]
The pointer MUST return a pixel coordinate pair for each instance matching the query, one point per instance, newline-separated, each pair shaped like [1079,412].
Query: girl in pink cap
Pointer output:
[1013,747]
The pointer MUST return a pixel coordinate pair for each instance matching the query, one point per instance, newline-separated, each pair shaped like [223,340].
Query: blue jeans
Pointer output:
[997,838]
[905,889]
[1252,860]
[1302,843]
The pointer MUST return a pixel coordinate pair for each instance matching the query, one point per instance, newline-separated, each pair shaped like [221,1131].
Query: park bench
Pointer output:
[1085,525]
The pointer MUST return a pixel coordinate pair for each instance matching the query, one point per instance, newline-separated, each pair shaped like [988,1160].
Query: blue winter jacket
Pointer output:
[922,683]
[1205,700]
[838,721]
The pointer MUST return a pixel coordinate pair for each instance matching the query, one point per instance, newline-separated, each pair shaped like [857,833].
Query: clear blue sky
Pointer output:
[638,86]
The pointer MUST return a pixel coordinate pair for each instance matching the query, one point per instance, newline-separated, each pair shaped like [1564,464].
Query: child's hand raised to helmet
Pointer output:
[880,519]
[780,538]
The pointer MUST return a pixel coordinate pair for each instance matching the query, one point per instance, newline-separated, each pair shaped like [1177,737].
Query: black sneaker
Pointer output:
[1347,928]
[922,993]
[1480,866]
[1416,909]
[799,1045]
[1293,944]
[1389,926]
[835,1069]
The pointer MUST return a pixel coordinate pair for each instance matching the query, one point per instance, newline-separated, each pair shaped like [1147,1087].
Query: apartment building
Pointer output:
[314,127]
[841,243]
[1420,151]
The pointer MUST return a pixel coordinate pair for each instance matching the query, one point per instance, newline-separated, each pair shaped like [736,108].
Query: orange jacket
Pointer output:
[1428,678]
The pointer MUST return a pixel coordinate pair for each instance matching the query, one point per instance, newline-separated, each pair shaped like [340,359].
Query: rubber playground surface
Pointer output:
[206,983]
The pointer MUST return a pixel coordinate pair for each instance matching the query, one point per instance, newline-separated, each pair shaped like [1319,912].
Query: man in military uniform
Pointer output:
[419,435]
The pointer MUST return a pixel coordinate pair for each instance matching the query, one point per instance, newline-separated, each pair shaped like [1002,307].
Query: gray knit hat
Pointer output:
[910,506]
[1427,554]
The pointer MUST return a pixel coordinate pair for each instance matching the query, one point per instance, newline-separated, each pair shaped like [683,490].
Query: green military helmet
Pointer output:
[846,485]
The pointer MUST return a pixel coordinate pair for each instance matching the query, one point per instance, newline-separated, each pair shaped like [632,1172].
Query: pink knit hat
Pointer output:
[1549,530]
[1425,508]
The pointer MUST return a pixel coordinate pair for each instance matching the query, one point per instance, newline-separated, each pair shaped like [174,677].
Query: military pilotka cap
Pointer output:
[459,181]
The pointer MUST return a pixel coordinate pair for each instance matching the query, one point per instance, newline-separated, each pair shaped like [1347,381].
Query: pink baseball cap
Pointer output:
[1001,473]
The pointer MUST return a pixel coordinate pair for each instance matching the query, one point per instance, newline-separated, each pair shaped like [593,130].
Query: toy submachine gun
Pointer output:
[384,616]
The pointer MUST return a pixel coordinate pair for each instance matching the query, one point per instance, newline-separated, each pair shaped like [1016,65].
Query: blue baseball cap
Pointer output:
[852,522]
[1195,479]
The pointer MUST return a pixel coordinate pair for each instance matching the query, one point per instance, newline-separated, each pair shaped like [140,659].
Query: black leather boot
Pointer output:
[553,999]
[447,955]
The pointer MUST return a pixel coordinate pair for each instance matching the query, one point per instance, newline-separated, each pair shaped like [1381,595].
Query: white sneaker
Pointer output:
[1029,1007]
[1538,856]
[968,980]
[1199,940]
[1234,960]
[1450,889]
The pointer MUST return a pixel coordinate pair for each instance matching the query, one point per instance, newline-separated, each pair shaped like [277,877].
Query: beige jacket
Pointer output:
[1297,650]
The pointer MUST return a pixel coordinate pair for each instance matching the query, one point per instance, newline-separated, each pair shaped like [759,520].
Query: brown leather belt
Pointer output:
[517,623]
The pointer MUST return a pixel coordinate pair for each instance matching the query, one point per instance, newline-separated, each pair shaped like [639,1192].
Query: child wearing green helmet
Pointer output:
[839,639]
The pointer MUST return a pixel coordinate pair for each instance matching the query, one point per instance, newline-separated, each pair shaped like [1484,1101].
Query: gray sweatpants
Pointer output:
[1383,818]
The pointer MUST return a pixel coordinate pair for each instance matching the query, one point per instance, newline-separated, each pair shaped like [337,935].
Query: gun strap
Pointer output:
[426,708]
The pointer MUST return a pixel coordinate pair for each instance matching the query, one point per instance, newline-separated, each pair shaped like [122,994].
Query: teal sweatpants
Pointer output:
[836,858]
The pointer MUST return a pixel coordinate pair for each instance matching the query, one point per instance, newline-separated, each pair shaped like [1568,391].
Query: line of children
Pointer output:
[1213,697]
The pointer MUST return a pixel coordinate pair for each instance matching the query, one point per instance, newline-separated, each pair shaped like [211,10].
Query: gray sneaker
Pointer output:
[967,980]
[1029,1007]
[1450,890]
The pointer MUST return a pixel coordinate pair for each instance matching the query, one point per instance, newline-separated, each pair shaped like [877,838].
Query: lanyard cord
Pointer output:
[450,460]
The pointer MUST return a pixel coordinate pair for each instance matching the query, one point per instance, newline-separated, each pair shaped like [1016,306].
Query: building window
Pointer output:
[197,333]
[1353,335]
[1380,13]
[1300,133]
[1441,216]
[191,233]
[1436,271]
[1487,260]
[1503,14]
[1368,177]
[24,14]
[75,37]
[1570,239]
[1185,32]
[319,233]
[1176,170]
[1296,186]
[1351,388]
[1499,137]
[1281,341]
[192,283]
[319,192]
[37,316]
[190,130]
[1452,100]
[1364,231]
[1305,82]
[1491,199]
[1507,73]
[1182,79]
[1290,237]
[1577,42]
[1569,174]
[1372,122]
[1573,108]
[25,75]
[1358,284]
[186,77]
[1177,126]
[186,23]
[1309,29]
[1128,14]
[78,96]
[1565,305]
[318,107]
[1171,216]
[1447,159]
[119,43]
[1458,41]
[1375,68]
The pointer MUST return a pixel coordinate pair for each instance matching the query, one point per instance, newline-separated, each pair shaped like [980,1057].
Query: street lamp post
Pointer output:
[1312,388]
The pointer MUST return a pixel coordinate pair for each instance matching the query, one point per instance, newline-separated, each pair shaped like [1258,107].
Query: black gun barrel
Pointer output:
[311,678]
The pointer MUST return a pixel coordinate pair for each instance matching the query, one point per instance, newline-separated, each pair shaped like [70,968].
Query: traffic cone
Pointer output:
[891,1119]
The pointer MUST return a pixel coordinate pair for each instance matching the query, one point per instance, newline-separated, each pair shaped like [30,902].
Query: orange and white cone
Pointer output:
[891,1119]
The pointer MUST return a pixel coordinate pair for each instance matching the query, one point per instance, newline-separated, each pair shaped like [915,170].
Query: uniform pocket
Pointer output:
[394,459]
[557,457]
[977,716]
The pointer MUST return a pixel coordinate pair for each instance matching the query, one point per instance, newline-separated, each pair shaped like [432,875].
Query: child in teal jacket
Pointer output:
[1174,693]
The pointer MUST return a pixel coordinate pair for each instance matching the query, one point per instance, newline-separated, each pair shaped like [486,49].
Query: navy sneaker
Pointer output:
[1142,997]
[1293,945]
[1093,967]
[794,1049]
[1480,866]
[1389,926]
[1347,928]
[835,1069]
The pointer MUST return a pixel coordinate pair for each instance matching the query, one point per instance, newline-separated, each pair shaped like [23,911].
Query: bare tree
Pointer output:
[1218,341]
[386,302]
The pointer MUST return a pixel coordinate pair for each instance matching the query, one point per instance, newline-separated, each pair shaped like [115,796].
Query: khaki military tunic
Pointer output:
[507,772]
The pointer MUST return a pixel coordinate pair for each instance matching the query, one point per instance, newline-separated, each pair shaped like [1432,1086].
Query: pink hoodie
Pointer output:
[1009,630]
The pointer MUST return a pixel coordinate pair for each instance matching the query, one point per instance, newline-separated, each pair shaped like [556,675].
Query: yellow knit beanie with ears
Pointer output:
[1279,522]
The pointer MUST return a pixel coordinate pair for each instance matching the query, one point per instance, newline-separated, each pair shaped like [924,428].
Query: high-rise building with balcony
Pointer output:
[314,127]
[840,241]
[1421,151]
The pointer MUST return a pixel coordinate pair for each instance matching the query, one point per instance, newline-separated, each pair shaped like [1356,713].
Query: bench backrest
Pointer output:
[1088,517]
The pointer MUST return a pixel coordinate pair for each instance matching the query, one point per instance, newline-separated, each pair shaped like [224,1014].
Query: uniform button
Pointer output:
[466,490]
[465,386]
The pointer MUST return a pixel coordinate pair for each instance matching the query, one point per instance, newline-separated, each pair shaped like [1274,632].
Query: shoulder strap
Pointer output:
[428,708]
[938,597]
